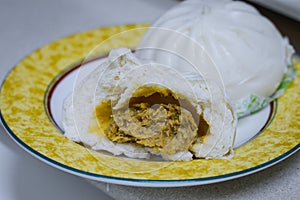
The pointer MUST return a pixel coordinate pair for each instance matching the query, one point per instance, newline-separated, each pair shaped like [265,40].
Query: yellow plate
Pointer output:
[24,108]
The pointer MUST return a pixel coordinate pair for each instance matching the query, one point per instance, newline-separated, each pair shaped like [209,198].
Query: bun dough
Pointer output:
[228,41]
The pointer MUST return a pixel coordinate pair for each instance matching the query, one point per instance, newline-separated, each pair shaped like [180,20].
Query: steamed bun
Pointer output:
[101,104]
[228,41]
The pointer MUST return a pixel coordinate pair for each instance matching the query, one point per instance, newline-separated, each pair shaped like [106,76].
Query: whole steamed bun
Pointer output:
[229,41]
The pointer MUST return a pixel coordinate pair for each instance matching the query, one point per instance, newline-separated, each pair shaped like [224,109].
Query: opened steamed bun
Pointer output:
[126,106]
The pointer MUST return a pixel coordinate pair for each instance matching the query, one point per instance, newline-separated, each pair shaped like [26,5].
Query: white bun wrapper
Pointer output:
[249,55]
[121,78]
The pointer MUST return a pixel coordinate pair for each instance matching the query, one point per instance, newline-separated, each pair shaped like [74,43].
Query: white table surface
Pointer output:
[290,8]
[28,25]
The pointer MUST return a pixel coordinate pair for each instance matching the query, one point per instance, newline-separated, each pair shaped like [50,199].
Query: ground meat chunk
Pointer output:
[167,127]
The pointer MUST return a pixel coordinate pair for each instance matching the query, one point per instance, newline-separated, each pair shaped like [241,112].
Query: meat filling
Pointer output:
[157,120]
[164,126]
